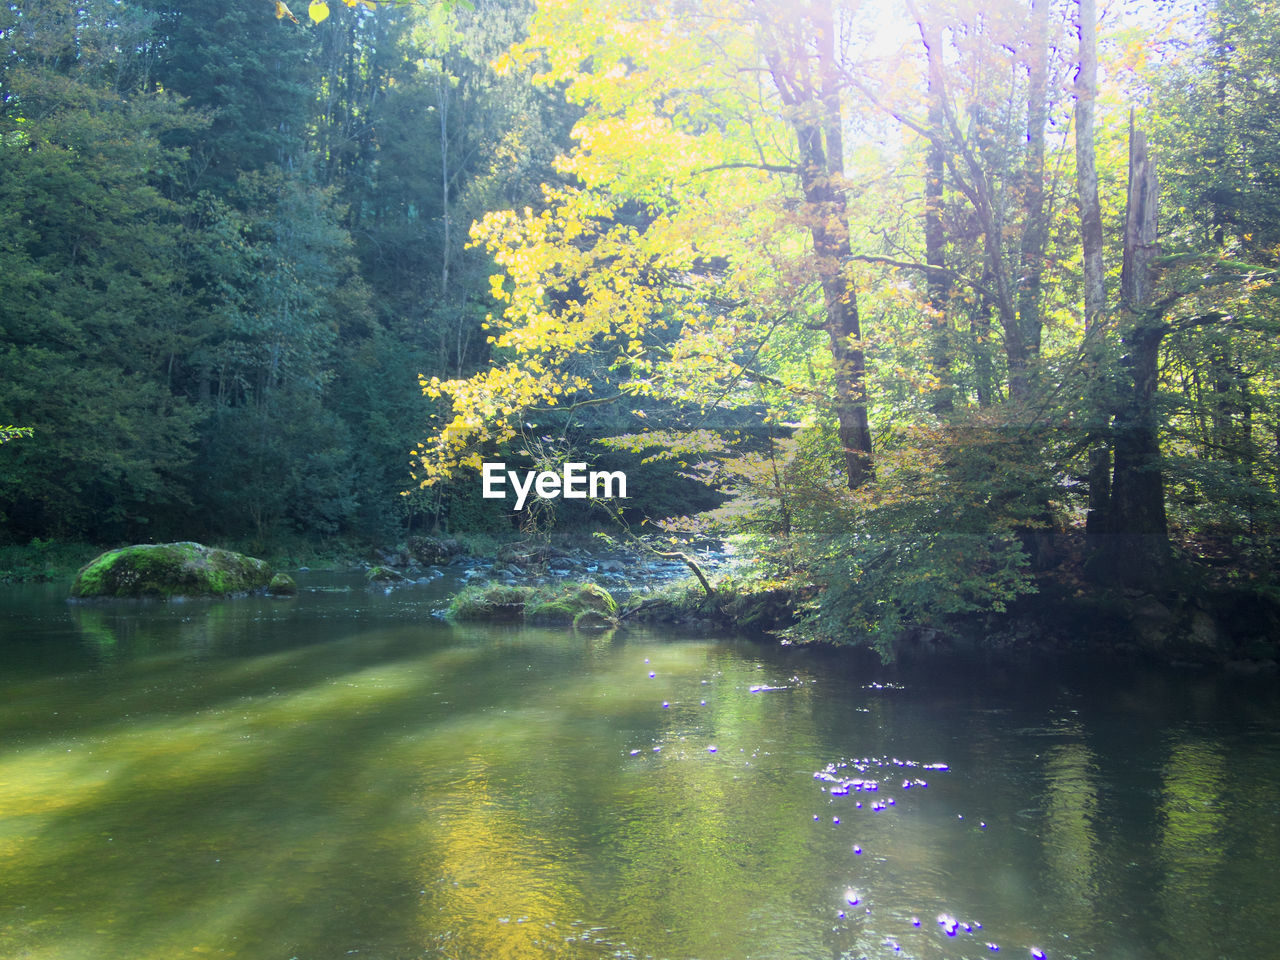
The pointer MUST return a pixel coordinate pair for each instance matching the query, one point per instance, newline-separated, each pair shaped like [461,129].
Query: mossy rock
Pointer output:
[282,585]
[491,602]
[581,604]
[593,620]
[170,570]
[384,575]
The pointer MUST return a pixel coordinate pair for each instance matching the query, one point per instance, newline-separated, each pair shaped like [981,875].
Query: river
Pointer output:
[343,775]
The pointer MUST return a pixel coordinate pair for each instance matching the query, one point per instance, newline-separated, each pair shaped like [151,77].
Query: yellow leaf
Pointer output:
[283,11]
[318,11]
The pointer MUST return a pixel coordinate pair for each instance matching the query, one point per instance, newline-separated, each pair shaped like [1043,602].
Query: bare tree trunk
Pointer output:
[1024,344]
[935,240]
[1095,293]
[442,109]
[1139,533]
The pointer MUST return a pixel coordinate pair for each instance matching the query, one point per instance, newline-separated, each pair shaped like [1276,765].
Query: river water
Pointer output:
[343,775]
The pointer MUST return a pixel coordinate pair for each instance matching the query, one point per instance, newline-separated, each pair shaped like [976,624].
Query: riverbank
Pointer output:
[1209,612]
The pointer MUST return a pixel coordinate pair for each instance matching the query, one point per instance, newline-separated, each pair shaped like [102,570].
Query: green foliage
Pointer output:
[231,63]
[940,536]
[1220,132]
[91,303]
[44,560]
[231,246]
[1220,160]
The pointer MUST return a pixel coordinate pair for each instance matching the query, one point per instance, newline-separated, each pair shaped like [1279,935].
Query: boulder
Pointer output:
[430,551]
[282,585]
[170,570]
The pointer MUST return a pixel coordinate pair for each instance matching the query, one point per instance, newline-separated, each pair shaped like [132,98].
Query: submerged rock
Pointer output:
[170,570]
[381,575]
[282,585]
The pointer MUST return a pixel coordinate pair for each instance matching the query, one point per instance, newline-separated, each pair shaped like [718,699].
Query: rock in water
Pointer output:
[282,585]
[170,570]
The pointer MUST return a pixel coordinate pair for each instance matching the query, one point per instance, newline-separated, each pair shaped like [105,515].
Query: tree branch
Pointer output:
[747,165]
[928,268]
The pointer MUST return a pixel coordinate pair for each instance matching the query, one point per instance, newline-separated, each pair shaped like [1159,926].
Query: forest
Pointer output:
[919,304]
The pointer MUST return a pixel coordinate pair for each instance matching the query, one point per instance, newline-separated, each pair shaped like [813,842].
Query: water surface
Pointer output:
[342,775]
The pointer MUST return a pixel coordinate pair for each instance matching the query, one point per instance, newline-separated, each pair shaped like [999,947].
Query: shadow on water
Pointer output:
[341,775]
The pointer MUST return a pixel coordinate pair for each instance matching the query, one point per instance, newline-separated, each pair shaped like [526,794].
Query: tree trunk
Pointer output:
[1095,293]
[816,120]
[1024,343]
[844,328]
[1139,534]
[935,240]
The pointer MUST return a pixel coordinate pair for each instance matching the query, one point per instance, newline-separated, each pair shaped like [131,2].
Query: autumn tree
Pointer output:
[705,245]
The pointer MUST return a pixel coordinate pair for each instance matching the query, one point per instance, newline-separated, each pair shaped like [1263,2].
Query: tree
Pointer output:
[709,227]
[91,299]
[252,79]
[274,451]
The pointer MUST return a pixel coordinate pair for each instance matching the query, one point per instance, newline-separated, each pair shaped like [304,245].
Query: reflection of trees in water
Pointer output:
[129,628]
[540,849]
[404,792]
[1191,851]
[1071,847]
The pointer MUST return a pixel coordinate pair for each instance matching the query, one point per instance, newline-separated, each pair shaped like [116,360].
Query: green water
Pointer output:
[341,775]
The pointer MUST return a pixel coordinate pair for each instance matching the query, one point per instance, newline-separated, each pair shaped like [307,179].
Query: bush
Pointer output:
[939,535]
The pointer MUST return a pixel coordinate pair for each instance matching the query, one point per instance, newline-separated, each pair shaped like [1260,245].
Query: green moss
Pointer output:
[550,610]
[383,575]
[495,602]
[592,596]
[169,570]
[575,604]
[580,604]
[282,585]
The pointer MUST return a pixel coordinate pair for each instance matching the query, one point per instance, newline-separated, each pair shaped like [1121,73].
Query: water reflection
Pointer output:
[1191,851]
[1072,849]
[343,776]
